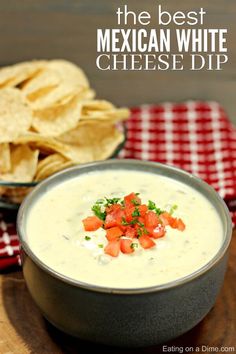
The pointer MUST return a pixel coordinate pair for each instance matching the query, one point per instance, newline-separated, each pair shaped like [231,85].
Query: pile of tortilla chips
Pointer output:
[50,120]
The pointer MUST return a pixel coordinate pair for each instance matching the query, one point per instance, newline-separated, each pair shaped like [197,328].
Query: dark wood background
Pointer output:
[67,29]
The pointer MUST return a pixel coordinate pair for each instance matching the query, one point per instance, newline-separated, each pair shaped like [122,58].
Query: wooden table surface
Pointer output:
[23,329]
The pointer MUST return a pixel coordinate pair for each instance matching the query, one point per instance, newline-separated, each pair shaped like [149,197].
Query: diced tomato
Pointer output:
[131,200]
[132,220]
[112,208]
[141,220]
[174,223]
[131,208]
[166,219]
[125,246]
[120,216]
[146,242]
[157,232]
[123,228]
[112,248]
[114,218]
[92,223]
[130,232]
[113,233]
[142,209]
[110,221]
[128,213]
[181,225]
[151,219]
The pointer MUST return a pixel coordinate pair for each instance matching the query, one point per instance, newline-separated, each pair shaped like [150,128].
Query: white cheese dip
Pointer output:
[57,237]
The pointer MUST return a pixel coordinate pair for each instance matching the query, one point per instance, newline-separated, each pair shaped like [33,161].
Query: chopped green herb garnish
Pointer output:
[111,201]
[152,206]
[100,201]
[140,223]
[127,217]
[134,245]
[135,202]
[142,230]
[139,232]
[145,231]
[135,212]
[124,222]
[133,222]
[159,211]
[97,209]
[173,208]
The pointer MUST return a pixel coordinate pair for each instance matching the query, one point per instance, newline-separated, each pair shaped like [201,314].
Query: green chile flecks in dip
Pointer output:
[80,255]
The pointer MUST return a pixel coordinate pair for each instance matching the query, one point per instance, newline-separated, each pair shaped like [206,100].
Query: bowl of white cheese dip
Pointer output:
[124,252]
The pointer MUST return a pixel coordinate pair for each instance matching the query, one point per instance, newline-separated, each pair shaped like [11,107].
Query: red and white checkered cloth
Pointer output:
[195,136]
[9,243]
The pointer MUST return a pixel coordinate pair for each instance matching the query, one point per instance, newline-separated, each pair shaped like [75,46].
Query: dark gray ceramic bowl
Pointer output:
[124,317]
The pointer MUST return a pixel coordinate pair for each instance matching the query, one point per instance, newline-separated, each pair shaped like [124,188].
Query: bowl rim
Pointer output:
[206,188]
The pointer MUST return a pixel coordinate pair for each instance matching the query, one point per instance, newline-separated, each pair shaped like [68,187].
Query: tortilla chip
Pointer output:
[57,95]
[109,144]
[92,141]
[48,160]
[52,168]
[71,81]
[84,95]
[80,153]
[103,110]
[97,105]
[51,113]
[44,143]
[115,115]
[69,73]
[23,164]
[5,158]
[15,115]
[14,75]
[57,119]
[36,87]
